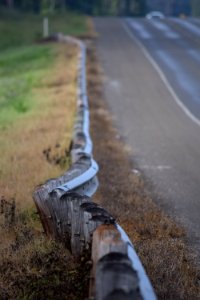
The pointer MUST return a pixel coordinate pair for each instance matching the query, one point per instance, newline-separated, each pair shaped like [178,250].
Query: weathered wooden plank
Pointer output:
[60,215]
[40,196]
[78,168]
[116,279]
[112,276]
[107,239]
[71,218]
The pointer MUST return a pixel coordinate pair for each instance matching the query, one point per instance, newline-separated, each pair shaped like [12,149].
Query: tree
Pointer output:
[91,7]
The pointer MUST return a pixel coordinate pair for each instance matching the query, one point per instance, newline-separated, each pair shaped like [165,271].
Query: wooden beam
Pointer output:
[112,275]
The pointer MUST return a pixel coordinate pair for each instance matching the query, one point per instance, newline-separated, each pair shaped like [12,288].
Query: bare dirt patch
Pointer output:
[158,240]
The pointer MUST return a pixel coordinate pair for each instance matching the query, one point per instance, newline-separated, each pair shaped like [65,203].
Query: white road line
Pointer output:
[162,76]
[167,31]
[187,84]
[140,29]
[189,26]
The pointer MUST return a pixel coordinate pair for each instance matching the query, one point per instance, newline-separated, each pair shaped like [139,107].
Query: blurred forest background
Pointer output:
[105,7]
[89,7]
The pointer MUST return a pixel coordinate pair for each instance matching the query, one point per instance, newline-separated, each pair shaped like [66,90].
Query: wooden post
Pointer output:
[71,218]
[112,276]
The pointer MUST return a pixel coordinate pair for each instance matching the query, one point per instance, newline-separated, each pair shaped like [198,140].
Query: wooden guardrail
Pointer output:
[68,214]
[113,274]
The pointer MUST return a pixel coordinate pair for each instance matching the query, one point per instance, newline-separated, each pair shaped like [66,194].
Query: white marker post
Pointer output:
[45,27]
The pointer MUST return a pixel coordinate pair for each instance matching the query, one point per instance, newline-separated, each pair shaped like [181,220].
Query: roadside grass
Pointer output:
[159,241]
[19,29]
[22,61]
[31,266]
[34,267]
[37,100]
[37,108]
[48,125]
[21,70]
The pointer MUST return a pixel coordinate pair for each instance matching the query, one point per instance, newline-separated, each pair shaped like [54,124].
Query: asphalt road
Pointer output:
[152,86]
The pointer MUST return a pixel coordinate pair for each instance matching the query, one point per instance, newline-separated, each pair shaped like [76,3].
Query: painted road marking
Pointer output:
[144,34]
[162,75]
[167,31]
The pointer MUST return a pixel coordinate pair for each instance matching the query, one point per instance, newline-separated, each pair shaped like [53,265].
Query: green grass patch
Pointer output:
[23,29]
[23,62]
[68,23]
[21,70]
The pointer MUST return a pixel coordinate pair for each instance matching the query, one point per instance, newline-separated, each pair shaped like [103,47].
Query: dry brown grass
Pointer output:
[157,239]
[32,266]
[22,162]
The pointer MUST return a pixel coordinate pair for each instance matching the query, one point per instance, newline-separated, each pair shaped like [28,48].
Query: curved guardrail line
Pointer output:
[67,213]
[82,126]
[79,180]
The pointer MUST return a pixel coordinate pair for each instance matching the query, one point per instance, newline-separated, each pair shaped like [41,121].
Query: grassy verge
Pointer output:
[31,267]
[21,29]
[37,107]
[21,70]
[37,101]
[157,239]
[22,62]
[46,124]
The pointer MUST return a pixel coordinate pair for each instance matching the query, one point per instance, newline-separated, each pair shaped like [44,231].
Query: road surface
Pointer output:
[152,86]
